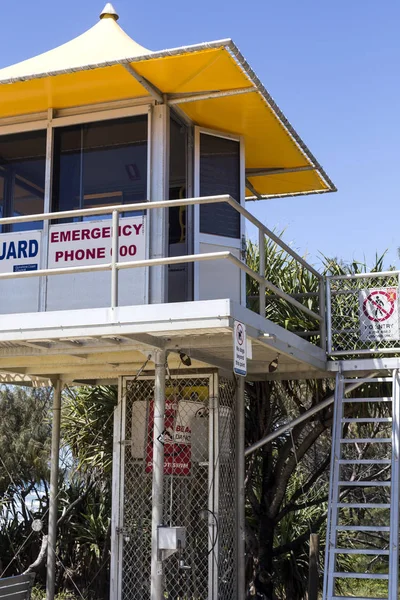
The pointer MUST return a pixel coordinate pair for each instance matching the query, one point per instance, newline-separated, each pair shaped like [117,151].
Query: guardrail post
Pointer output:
[328,315]
[114,259]
[55,455]
[261,270]
[322,312]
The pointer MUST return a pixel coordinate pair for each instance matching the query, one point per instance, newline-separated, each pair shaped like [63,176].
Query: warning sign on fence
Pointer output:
[379,315]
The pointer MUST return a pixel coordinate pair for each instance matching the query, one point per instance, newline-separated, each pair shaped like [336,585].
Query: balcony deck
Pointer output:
[99,345]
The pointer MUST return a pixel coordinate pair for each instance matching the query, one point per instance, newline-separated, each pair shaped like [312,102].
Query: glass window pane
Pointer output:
[22,177]
[101,164]
[219,174]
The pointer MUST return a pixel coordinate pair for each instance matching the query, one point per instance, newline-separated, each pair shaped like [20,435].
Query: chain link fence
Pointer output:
[363,314]
[199,487]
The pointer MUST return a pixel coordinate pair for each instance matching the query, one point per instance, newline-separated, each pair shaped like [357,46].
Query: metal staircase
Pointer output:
[363,510]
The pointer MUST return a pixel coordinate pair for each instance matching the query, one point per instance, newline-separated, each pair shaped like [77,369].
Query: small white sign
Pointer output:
[379,314]
[239,349]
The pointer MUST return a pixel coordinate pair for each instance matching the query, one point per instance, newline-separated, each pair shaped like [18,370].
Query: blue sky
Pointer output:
[332,67]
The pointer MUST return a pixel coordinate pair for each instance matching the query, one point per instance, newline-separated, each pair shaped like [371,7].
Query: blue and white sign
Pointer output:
[20,251]
[239,349]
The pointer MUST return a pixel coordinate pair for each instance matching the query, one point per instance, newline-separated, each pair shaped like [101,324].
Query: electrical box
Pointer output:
[171,538]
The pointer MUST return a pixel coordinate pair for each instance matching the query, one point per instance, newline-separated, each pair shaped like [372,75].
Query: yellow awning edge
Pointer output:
[211,84]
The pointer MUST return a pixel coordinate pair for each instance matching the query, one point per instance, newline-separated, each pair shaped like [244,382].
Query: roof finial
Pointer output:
[109,12]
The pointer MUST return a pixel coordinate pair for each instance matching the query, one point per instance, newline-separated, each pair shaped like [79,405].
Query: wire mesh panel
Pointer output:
[199,487]
[227,560]
[363,316]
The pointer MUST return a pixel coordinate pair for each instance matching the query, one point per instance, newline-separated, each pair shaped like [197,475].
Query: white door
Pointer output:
[219,170]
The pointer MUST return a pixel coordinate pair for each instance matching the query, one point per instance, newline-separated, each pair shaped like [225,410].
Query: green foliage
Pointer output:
[24,436]
[87,426]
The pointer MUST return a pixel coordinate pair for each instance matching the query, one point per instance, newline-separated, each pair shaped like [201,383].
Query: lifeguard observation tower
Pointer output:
[125,181]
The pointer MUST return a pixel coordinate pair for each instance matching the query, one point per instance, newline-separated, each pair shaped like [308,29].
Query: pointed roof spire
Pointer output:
[109,12]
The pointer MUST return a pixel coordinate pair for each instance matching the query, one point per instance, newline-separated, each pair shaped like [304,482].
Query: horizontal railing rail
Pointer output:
[114,266]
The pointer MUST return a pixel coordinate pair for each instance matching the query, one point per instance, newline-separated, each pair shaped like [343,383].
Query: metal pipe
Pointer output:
[278,171]
[394,350]
[328,315]
[156,584]
[240,476]
[149,87]
[261,270]
[322,312]
[114,259]
[306,415]
[181,99]
[52,527]
[394,510]
[363,275]
[47,207]
[170,260]
[167,204]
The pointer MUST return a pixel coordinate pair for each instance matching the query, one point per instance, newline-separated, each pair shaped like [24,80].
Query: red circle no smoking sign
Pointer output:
[379,305]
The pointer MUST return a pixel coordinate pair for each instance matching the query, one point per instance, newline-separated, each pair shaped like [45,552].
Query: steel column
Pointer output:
[46,208]
[159,180]
[240,496]
[114,259]
[158,474]
[55,453]
[394,500]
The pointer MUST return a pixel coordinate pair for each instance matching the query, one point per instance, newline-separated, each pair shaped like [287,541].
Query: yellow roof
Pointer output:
[211,83]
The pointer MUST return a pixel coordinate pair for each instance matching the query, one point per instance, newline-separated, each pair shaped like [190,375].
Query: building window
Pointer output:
[219,174]
[100,164]
[22,177]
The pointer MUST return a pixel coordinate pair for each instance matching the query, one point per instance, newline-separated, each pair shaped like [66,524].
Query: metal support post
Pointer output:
[159,177]
[158,474]
[322,312]
[114,259]
[240,476]
[261,249]
[55,453]
[328,315]
[46,209]
[394,509]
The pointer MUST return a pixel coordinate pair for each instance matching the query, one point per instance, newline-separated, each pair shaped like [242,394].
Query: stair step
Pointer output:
[362,551]
[382,399]
[357,598]
[361,505]
[366,440]
[369,380]
[364,483]
[368,420]
[361,575]
[365,461]
[362,528]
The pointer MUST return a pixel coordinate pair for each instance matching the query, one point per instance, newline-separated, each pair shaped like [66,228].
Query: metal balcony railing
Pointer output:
[267,291]
[362,314]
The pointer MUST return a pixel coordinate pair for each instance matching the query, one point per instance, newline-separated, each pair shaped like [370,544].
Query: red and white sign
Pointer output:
[378,313]
[90,243]
[176,437]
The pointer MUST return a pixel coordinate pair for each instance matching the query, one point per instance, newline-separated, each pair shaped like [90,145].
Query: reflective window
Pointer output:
[99,164]
[22,177]
[219,174]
